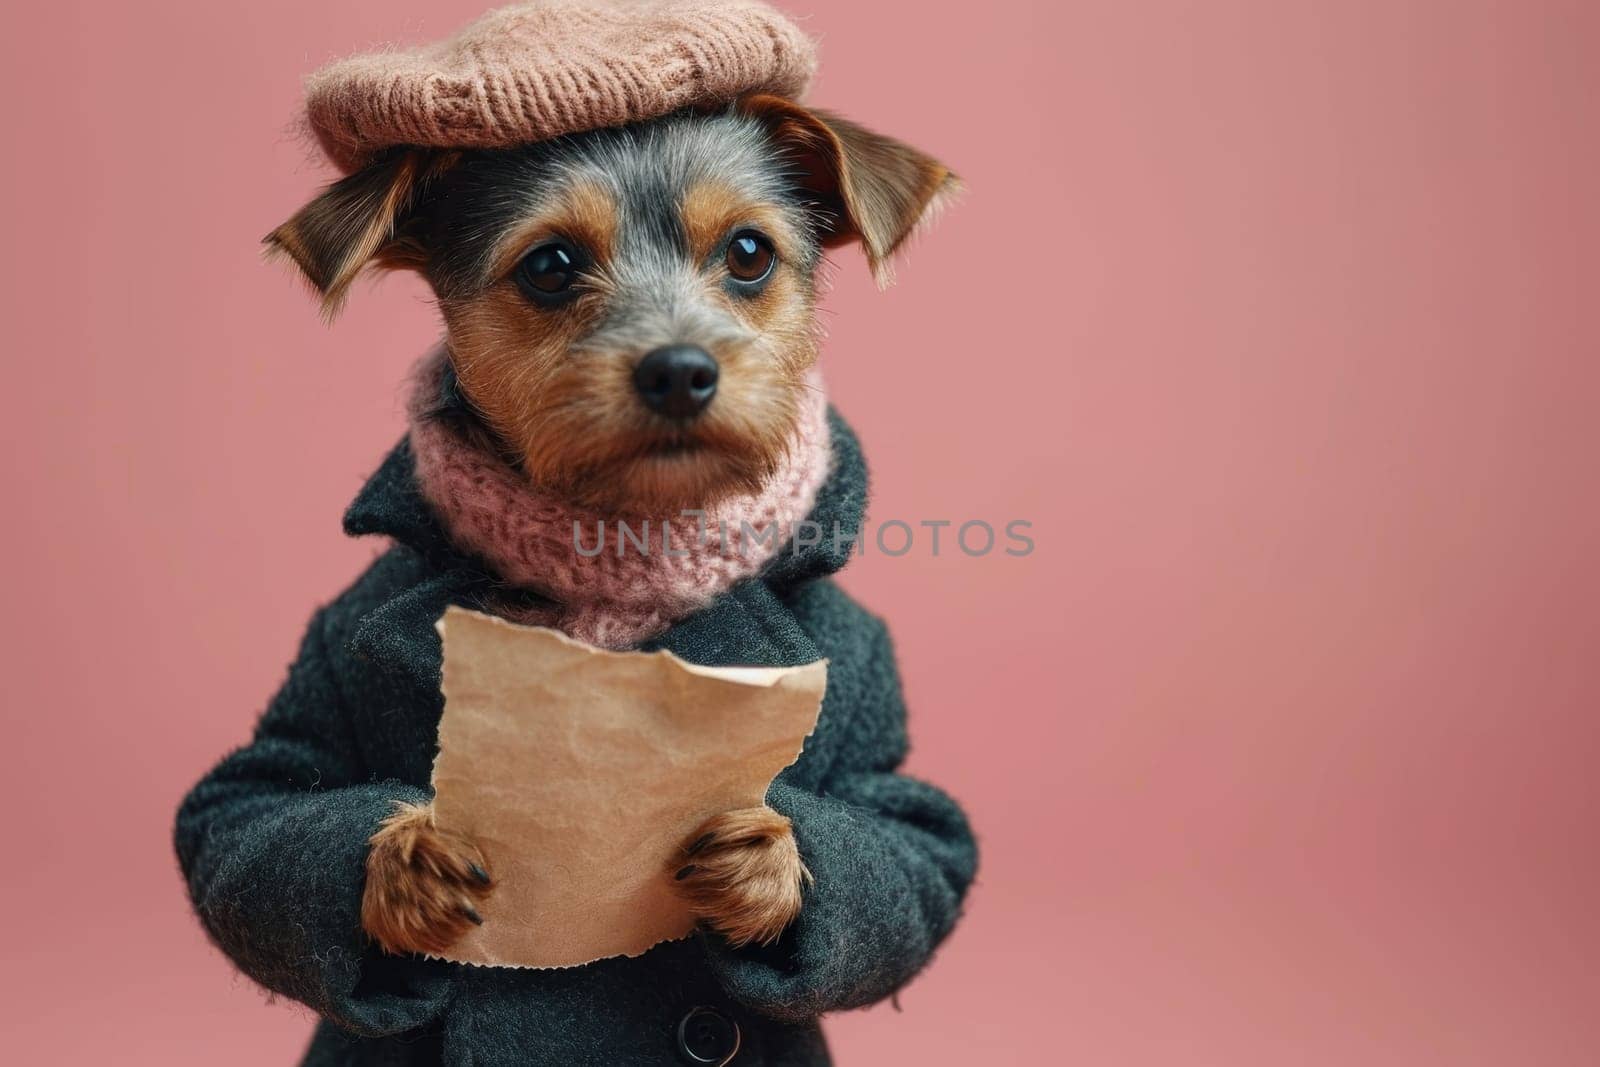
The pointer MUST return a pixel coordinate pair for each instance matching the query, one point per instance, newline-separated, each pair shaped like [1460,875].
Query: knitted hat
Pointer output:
[544,68]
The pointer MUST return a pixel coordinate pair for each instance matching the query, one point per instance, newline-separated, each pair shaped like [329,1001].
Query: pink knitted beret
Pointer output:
[544,68]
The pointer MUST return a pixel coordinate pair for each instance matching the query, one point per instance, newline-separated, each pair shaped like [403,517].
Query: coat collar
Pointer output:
[749,624]
[391,505]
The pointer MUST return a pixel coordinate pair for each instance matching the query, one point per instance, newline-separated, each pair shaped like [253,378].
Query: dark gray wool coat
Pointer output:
[273,841]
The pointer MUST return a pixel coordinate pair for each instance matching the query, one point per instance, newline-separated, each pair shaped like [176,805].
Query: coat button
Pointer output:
[707,1036]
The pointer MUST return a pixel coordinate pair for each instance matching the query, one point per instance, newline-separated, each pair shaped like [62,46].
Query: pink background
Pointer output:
[1276,319]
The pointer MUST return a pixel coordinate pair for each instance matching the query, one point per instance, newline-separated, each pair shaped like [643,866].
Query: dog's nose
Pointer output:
[676,380]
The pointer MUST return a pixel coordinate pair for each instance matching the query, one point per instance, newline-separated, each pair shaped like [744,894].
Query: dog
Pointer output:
[630,315]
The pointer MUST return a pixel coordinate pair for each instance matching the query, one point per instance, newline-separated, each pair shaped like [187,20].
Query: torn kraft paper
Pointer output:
[580,773]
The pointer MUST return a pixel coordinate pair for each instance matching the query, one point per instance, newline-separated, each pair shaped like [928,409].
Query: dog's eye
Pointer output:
[546,274]
[750,257]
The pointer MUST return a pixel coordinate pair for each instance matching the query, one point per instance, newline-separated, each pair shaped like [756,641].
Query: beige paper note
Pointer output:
[581,772]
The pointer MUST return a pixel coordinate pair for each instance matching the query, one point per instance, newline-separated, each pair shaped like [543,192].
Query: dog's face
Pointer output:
[629,312]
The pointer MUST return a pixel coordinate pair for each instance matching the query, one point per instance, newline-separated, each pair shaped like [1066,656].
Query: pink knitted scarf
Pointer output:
[623,594]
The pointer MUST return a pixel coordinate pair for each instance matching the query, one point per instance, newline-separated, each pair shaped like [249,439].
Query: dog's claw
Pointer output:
[479,873]
[472,913]
[699,843]
[684,873]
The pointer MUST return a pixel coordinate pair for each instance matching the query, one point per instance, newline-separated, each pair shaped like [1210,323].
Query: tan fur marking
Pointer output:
[585,214]
[741,874]
[421,888]
[709,210]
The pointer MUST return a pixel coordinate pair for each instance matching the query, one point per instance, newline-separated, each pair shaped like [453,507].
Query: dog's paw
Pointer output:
[742,875]
[422,884]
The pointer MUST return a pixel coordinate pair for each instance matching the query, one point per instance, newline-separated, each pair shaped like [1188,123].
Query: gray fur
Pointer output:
[647,168]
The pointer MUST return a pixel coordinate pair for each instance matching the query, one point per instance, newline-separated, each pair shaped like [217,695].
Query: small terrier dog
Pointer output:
[630,319]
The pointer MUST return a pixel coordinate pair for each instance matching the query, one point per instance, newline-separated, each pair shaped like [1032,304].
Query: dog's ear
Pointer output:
[356,221]
[868,187]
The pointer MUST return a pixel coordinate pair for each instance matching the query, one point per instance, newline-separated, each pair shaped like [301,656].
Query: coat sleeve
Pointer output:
[273,845]
[891,859]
